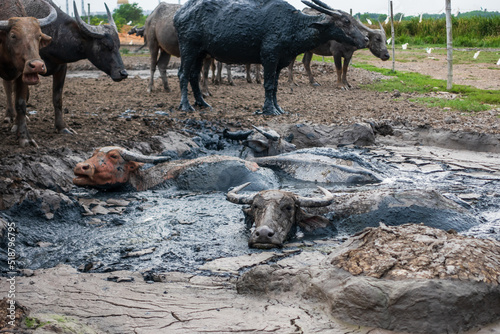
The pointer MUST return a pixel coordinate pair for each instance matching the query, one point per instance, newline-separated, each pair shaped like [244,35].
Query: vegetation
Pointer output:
[121,15]
[469,99]
[469,30]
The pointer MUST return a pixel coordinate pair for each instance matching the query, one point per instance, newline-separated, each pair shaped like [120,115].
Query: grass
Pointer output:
[470,99]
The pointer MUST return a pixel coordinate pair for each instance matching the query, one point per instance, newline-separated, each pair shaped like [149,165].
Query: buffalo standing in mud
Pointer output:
[376,44]
[21,39]
[271,33]
[277,213]
[115,167]
[72,41]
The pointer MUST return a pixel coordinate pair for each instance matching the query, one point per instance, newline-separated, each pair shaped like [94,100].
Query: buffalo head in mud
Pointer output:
[110,167]
[277,213]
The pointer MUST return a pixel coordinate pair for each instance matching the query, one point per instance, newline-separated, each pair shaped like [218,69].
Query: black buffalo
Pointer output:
[267,32]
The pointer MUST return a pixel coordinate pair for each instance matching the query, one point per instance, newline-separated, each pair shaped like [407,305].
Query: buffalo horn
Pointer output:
[4,24]
[268,135]
[87,28]
[233,196]
[110,18]
[50,18]
[132,156]
[322,9]
[382,28]
[327,199]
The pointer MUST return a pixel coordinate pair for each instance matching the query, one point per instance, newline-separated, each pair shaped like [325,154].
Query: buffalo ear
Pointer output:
[309,222]
[320,25]
[133,166]
[258,146]
[46,39]
[249,219]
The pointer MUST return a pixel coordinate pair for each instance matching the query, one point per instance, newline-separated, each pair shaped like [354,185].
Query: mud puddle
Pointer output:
[171,229]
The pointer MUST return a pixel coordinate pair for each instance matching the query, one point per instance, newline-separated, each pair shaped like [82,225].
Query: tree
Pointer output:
[128,12]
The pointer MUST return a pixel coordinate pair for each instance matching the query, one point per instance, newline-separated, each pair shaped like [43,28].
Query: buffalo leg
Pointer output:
[9,112]
[229,75]
[290,72]
[269,88]
[307,65]
[21,91]
[218,77]
[248,70]
[338,69]
[58,80]
[162,68]
[258,77]
[347,85]
[194,80]
[153,50]
[275,92]
[207,64]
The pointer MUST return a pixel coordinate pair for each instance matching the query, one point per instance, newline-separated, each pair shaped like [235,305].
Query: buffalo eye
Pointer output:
[288,208]
[114,156]
[13,36]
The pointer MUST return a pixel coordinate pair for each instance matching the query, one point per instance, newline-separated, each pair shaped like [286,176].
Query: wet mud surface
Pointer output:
[172,229]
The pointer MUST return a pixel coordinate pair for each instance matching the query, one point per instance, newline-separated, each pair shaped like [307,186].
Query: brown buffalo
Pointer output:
[113,167]
[277,213]
[20,41]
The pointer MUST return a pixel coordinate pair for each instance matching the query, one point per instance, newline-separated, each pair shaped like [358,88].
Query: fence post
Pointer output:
[392,39]
[449,45]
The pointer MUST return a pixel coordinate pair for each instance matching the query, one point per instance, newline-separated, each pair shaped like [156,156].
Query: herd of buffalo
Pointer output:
[37,38]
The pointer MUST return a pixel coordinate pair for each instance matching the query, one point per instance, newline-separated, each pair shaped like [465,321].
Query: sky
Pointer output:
[407,7]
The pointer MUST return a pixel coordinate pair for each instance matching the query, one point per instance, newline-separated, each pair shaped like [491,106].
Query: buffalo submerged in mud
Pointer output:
[277,214]
[114,167]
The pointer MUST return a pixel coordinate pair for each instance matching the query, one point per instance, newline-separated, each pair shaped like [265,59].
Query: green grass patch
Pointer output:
[469,98]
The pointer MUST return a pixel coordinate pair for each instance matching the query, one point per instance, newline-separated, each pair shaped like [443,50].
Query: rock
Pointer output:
[140,252]
[410,278]
[360,134]
[175,144]
[234,264]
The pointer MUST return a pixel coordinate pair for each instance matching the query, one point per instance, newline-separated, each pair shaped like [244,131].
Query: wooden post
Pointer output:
[392,40]
[449,45]
[88,13]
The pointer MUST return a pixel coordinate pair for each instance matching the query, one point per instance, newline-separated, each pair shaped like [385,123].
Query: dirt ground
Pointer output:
[104,112]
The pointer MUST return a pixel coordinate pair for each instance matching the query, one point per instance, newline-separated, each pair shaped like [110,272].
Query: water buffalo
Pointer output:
[115,167]
[218,78]
[276,214]
[21,39]
[376,44]
[72,41]
[160,37]
[267,143]
[267,32]
[137,31]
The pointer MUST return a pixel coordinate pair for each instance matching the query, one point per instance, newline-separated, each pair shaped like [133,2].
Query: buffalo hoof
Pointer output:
[185,107]
[23,142]
[272,112]
[67,131]
[203,105]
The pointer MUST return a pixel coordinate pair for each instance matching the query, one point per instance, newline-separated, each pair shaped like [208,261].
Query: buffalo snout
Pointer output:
[264,237]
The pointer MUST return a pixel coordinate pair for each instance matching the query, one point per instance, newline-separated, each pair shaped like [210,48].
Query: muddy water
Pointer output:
[172,229]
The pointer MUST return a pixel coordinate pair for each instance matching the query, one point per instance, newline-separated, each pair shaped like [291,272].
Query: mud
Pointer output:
[173,229]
